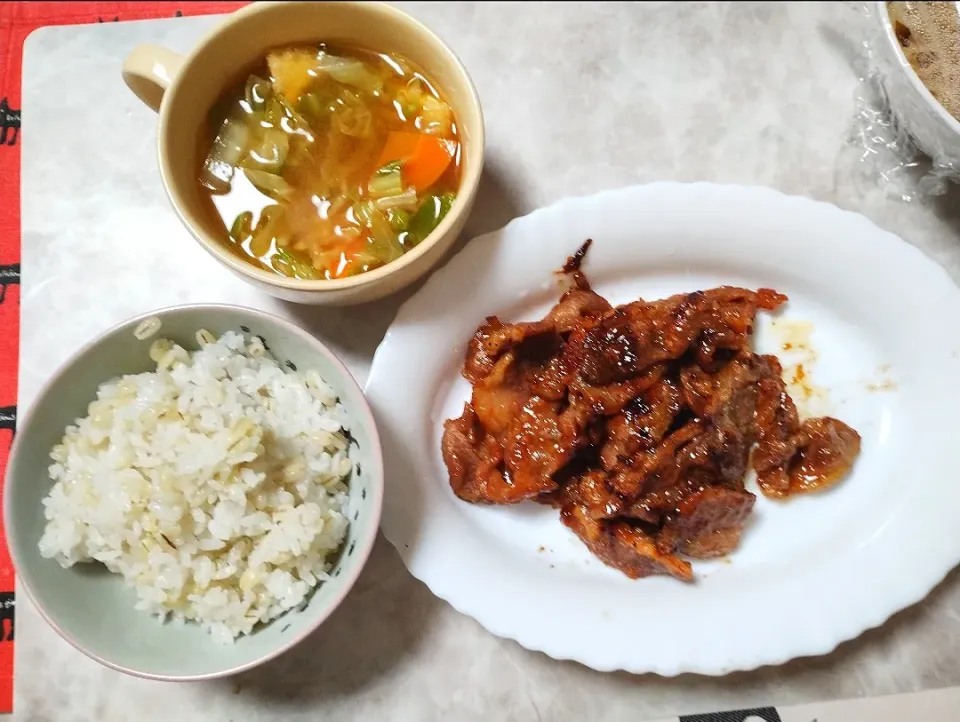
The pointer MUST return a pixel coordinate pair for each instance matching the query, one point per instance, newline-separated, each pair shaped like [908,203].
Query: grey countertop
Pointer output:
[578,97]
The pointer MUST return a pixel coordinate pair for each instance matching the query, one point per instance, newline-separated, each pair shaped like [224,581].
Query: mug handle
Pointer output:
[148,71]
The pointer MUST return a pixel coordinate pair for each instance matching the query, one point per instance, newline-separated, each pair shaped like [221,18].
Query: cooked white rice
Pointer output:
[216,485]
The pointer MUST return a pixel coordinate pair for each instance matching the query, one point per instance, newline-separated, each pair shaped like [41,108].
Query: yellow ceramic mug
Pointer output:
[183,89]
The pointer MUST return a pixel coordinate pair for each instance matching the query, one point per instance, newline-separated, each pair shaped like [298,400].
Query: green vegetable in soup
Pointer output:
[349,71]
[261,243]
[293,122]
[428,216]
[256,93]
[314,107]
[228,149]
[365,260]
[383,242]
[273,113]
[242,227]
[399,219]
[269,153]
[289,265]
[269,184]
[265,231]
[406,201]
[390,168]
[363,212]
[387,181]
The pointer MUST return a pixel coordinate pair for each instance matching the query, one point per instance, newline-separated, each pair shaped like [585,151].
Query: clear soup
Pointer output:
[329,162]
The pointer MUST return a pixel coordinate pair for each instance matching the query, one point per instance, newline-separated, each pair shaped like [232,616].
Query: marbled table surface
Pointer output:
[578,97]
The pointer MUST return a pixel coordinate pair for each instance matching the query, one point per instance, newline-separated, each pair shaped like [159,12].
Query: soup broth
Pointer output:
[329,162]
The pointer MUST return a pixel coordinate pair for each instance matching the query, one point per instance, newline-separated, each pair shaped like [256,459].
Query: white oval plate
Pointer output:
[810,572]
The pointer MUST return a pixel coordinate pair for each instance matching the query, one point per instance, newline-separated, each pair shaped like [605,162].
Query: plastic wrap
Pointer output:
[905,144]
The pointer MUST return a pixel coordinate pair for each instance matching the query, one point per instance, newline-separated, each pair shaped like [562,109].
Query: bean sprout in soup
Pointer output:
[329,162]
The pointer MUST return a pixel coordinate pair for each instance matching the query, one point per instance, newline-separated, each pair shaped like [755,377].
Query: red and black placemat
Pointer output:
[17,20]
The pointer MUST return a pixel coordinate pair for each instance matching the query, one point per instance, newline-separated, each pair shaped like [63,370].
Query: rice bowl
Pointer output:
[96,609]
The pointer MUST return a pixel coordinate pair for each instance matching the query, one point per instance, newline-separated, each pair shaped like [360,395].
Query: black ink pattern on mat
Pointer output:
[8,418]
[8,606]
[9,123]
[764,714]
[8,275]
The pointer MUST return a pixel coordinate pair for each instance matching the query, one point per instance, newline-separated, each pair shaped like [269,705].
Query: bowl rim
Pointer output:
[469,182]
[886,24]
[361,551]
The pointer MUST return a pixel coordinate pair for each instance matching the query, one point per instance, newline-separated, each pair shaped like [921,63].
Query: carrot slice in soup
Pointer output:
[423,158]
[400,145]
[349,252]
